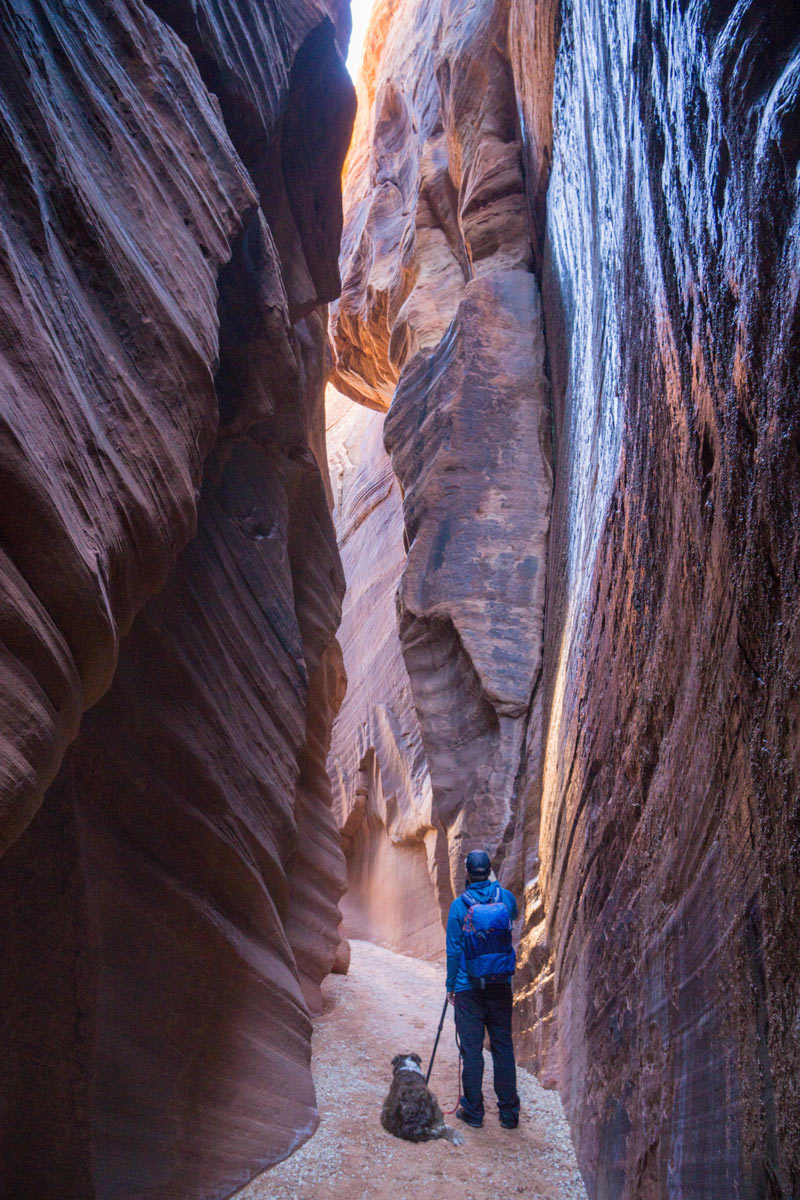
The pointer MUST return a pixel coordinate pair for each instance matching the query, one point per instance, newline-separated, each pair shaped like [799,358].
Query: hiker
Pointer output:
[480,989]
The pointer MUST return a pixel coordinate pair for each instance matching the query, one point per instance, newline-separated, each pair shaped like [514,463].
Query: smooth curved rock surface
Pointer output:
[172,906]
[121,197]
[468,435]
[381,785]
[434,190]
[181,803]
[440,315]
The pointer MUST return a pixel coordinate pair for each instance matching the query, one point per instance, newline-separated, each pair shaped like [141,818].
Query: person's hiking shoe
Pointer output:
[475,1122]
[509,1122]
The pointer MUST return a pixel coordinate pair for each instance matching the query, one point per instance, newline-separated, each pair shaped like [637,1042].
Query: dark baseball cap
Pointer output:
[478,865]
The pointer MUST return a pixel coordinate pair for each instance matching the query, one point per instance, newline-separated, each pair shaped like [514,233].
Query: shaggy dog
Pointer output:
[410,1111]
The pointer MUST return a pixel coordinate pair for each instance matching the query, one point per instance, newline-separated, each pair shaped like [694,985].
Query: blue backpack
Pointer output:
[488,954]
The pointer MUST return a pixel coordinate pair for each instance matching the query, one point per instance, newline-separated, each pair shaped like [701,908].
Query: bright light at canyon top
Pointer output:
[360,11]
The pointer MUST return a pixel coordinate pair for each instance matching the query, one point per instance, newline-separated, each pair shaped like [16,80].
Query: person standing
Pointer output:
[483,1001]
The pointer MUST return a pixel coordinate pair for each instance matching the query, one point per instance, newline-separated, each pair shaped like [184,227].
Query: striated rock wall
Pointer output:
[121,196]
[440,314]
[670,789]
[166,257]
[381,786]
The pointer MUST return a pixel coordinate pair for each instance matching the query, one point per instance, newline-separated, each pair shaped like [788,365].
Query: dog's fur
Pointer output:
[410,1111]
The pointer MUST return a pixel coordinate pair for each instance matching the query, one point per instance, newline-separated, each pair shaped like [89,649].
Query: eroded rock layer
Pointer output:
[121,195]
[169,912]
[440,314]
[381,784]
[670,797]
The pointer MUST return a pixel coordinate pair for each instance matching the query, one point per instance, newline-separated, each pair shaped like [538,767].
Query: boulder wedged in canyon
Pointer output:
[670,779]
[172,906]
[440,316]
[382,795]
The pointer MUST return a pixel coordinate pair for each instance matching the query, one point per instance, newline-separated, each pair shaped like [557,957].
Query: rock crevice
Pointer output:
[381,783]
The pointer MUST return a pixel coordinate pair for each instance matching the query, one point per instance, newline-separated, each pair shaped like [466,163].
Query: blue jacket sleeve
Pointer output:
[513,906]
[455,938]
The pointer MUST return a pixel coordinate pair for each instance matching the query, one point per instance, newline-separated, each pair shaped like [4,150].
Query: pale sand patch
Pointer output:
[390,1004]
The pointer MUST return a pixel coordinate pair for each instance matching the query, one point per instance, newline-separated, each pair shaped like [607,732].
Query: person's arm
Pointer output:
[455,941]
[513,911]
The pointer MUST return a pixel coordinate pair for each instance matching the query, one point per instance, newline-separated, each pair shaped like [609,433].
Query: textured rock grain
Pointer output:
[381,785]
[172,905]
[440,314]
[670,792]
[121,195]
[656,823]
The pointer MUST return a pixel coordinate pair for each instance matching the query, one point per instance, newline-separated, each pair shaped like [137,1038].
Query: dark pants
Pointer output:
[487,1009]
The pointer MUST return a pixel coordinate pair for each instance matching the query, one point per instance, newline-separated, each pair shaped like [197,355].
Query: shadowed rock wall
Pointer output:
[169,912]
[670,790]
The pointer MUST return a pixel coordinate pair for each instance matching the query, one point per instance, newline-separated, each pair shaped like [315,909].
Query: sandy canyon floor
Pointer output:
[389,1004]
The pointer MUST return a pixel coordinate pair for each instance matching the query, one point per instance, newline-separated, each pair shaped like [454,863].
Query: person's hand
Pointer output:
[451,996]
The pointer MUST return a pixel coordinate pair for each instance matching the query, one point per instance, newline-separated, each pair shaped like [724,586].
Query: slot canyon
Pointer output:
[390,470]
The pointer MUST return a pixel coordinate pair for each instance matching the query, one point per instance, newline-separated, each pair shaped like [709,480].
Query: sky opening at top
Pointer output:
[360,10]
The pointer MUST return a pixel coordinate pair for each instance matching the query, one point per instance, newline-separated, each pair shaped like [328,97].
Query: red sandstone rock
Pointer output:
[122,194]
[440,310]
[659,827]
[672,770]
[178,799]
[168,914]
[468,438]
[381,785]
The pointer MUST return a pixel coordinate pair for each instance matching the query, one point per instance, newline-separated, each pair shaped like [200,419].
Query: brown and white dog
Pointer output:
[410,1111]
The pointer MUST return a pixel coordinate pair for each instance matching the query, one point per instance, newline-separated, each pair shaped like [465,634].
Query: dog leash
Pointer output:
[436,1043]
[448,1112]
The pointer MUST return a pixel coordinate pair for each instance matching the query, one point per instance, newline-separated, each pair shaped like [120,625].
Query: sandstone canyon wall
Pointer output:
[440,315]
[639,772]
[382,796]
[672,768]
[170,223]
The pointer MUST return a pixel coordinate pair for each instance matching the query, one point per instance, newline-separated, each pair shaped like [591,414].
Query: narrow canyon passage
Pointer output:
[574,317]
[383,476]
[389,1003]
